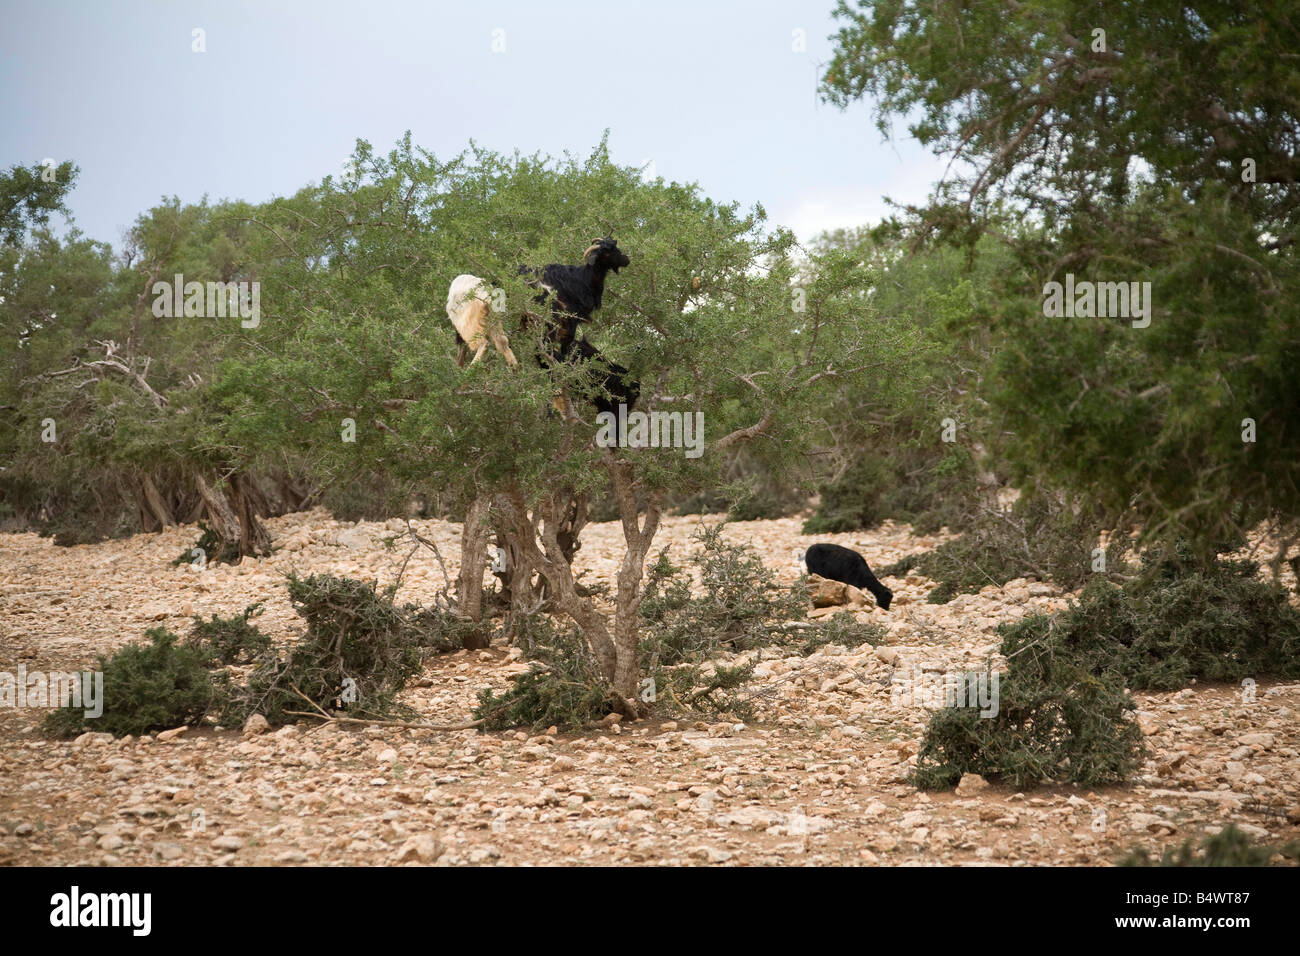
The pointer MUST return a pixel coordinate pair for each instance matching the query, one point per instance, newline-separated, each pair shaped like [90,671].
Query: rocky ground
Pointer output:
[818,778]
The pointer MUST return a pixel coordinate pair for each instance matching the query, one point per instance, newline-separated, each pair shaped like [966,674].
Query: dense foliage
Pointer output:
[1131,142]
[1165,630]
[147,687]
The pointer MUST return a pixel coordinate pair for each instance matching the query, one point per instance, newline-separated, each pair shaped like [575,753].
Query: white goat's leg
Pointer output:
[474,332]
[503,346]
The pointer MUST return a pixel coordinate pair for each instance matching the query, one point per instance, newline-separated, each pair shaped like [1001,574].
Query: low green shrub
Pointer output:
[562,688]
[1173,625]
[147,687]
[1229,847]
[1039,536]
[740,604]
[901,567]
[1063,699]
[1054,723]
[711,689]
[230,640]
[358,652]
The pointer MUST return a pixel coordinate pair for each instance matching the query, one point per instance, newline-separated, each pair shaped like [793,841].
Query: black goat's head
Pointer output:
[605,254]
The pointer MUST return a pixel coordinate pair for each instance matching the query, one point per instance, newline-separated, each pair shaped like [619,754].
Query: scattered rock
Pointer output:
[971,783]
[708,854]
[89,739]
[826,593]
[168,851]
[1150,823]
[752,818]
[482,854]
[425,848]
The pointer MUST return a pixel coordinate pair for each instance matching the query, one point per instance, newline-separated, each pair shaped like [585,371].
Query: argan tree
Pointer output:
[108,428]
[1118,141]
[353,367]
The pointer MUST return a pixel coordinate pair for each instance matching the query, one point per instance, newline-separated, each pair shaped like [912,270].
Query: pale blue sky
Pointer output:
[710,91]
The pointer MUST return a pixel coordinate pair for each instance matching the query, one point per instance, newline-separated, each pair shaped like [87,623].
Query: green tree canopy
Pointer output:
[715,316]
[1129,142]
[28,196]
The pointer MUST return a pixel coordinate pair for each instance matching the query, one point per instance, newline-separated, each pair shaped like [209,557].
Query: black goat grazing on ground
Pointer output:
[846,565]
[574,293]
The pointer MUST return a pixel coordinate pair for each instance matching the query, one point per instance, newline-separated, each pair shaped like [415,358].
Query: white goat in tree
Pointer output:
[469,307]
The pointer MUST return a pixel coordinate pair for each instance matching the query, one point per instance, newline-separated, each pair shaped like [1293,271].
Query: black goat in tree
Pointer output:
[574,293]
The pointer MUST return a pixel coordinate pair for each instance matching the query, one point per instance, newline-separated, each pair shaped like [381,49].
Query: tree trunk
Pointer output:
[627,617]
[550,561]
[196,510]
[571,525]
[627,671]
[154,500]
[522,595]
[237,539]
[544,543]
[249,506]
[519,594]
[473,547]
[222,520]
[148,523]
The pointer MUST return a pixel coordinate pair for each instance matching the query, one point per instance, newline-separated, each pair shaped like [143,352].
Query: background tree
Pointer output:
[1138,142]
[124,388]
[29,195]
[914,452]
